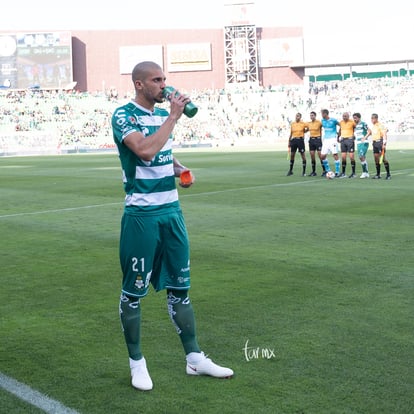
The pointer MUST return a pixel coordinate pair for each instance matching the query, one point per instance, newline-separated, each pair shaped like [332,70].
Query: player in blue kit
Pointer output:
[330,141]
[154,245]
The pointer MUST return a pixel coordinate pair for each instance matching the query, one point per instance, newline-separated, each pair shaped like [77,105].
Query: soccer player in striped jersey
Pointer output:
[360,132]
[154,245]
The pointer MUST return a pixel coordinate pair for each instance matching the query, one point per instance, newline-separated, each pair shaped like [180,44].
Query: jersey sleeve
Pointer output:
[123,124]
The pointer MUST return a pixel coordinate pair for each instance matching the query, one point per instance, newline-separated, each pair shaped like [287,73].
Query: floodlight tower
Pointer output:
[240,43]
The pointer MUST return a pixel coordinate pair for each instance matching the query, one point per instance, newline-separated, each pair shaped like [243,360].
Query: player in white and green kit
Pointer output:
[154,246]
[360,132]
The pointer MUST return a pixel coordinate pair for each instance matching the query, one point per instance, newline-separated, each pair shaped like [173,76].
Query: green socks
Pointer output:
[130,314]
[180,311]
[182,315]
[364,165]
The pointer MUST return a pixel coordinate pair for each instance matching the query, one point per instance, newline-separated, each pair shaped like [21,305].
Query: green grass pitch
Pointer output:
[304,286]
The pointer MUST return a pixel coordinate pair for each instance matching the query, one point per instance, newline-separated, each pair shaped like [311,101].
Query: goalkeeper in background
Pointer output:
[330,141]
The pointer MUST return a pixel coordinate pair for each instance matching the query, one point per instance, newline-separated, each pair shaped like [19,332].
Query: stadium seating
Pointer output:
[58,121]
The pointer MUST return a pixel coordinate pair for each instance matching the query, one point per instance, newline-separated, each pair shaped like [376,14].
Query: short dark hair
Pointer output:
[141,70]
[357,114]
[313,113]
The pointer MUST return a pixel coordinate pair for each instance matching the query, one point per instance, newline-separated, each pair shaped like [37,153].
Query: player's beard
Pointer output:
[150,97]
[159,100]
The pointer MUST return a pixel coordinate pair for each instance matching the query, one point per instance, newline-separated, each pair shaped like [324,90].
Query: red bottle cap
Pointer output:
[186,177]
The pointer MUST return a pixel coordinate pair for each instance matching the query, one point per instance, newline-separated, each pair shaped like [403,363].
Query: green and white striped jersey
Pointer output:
[360,130]
[149,185]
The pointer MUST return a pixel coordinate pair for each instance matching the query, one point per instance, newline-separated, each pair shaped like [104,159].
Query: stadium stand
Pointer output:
[50,122]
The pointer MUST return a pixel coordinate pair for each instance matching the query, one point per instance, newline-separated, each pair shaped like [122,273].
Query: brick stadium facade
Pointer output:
[96,60]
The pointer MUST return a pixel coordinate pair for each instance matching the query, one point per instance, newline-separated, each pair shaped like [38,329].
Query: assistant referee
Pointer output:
[296,142]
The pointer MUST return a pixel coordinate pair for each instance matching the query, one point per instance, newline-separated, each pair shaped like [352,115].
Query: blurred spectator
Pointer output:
[225,116]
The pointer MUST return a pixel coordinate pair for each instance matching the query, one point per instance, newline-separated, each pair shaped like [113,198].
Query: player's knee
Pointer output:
[178,295]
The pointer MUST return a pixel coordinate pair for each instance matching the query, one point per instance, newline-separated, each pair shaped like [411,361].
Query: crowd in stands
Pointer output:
[77,119]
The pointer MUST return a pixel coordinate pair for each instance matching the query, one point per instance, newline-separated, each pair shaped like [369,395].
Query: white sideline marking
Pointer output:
[256,187]
[228,190]
[58,210]
[33,397]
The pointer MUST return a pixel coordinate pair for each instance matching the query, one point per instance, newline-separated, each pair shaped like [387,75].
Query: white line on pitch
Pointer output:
[59,210]
[33,397]
[62,210]
[257,187]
